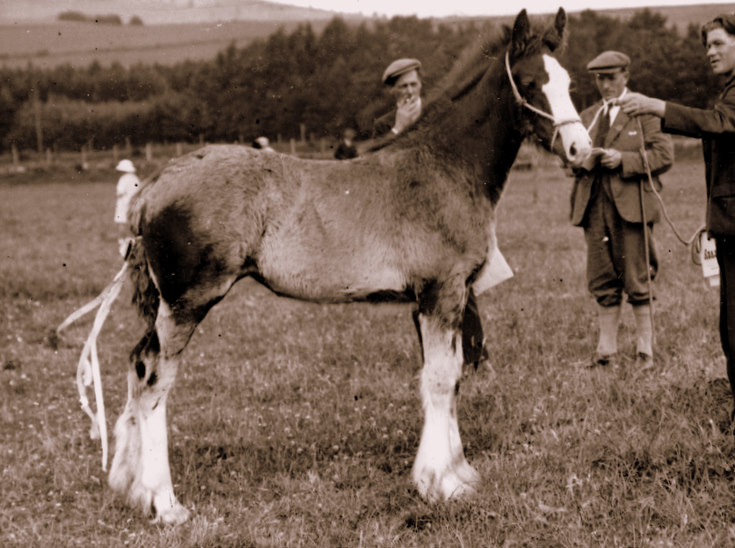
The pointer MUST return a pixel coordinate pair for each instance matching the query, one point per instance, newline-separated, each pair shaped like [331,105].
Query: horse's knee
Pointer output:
[144,360]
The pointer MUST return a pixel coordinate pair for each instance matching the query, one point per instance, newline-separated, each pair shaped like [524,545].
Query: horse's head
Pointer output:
[541,86]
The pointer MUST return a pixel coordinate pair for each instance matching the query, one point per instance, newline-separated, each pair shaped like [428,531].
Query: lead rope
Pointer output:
[694,241]
[88,368]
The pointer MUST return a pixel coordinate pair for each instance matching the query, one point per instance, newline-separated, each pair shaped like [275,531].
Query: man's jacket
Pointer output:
[624,135]
[716,128]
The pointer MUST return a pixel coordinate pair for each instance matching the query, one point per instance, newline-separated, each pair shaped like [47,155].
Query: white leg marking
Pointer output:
[441,470]
[140,468]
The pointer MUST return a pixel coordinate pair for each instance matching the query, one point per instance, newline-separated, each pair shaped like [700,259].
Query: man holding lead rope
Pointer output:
[716,128]
[617,215]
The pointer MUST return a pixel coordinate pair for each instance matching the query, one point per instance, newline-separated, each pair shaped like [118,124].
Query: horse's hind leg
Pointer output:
[140,468]
[441,470]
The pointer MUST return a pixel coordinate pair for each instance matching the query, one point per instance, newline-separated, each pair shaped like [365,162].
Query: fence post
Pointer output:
[128,147]
[148,152]
[84,157]
[114,154]
[302,130]
[37,119]
[179,150]
[16,156]
[293,146]
[49,158]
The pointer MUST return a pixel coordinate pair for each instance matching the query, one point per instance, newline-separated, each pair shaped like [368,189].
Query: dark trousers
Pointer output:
[472,335]
[726,262]
[616,259]
[473,339]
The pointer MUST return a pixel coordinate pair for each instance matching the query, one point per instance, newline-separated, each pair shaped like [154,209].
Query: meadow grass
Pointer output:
[296,424]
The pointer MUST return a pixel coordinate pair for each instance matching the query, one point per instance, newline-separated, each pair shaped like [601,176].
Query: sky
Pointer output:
[443,8]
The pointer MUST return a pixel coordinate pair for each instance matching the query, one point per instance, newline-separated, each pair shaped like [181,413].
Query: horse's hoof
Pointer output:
[450,484]
[174,515]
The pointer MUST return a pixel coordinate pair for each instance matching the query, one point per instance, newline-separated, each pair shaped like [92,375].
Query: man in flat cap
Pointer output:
[606,203]
[403,80]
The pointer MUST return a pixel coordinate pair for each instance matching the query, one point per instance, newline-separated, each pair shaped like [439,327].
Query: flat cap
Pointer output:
[399,67]
[608,61]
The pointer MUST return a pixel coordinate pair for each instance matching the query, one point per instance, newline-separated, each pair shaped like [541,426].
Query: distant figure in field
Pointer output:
[346,148]
[262,143]
[127,185]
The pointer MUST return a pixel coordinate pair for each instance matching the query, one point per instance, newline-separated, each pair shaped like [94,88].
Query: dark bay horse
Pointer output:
[412,221]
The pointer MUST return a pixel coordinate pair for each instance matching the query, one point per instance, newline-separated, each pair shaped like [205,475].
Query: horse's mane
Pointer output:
[472,63]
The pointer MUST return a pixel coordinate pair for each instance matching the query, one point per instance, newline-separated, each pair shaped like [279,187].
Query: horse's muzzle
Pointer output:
[576,142]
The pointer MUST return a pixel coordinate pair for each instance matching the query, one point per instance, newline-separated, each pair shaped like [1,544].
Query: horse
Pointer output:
[412,221]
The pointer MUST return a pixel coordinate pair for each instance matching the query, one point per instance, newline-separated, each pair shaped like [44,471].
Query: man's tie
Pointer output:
[603,126]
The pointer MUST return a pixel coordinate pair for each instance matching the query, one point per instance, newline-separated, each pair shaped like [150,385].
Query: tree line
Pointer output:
[294,82]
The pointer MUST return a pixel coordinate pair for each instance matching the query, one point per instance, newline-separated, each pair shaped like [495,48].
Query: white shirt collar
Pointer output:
[613,109]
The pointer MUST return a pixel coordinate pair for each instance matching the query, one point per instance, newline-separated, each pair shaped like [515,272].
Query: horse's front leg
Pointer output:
[140,468]
[441,470]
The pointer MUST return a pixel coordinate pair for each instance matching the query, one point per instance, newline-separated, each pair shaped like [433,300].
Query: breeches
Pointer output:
[616,260]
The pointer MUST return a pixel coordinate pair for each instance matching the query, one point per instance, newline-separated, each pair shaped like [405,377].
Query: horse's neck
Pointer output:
[479,129]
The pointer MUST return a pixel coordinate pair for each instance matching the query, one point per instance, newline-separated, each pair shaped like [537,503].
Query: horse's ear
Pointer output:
[521,30]
[553,38]
[560,22]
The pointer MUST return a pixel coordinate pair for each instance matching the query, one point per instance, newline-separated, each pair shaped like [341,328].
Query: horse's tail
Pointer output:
[145,293]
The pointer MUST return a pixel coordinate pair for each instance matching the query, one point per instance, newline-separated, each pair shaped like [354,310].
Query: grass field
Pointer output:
[295,424]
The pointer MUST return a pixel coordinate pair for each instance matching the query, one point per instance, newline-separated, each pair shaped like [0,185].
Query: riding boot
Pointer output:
[644,335]
[607,345]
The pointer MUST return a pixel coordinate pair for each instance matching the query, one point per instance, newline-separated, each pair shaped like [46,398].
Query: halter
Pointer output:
[522,101]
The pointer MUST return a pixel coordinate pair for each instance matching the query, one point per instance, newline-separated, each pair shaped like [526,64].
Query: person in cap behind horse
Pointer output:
[606,202]
[715,126]
[127,186]
[403,80]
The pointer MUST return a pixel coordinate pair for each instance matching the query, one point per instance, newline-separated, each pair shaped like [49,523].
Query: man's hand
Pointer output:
[407,112]
[610,158]
[634,104]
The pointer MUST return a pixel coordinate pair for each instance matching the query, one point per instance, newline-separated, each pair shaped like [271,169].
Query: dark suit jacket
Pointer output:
[624,135]
[382,125]
[716,127]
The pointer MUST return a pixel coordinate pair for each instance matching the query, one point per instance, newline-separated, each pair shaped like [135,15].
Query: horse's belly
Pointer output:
[335,279]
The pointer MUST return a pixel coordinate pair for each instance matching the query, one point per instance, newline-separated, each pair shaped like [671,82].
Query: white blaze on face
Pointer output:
[574,137]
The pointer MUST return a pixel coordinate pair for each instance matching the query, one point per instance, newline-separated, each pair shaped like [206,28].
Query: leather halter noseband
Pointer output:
[522,101]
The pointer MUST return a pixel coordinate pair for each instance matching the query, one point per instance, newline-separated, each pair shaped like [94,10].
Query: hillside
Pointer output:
[159,12]
[178,30]
[79,44]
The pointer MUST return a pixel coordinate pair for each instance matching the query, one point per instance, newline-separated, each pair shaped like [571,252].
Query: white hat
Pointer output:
[263,141]
[126,166]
